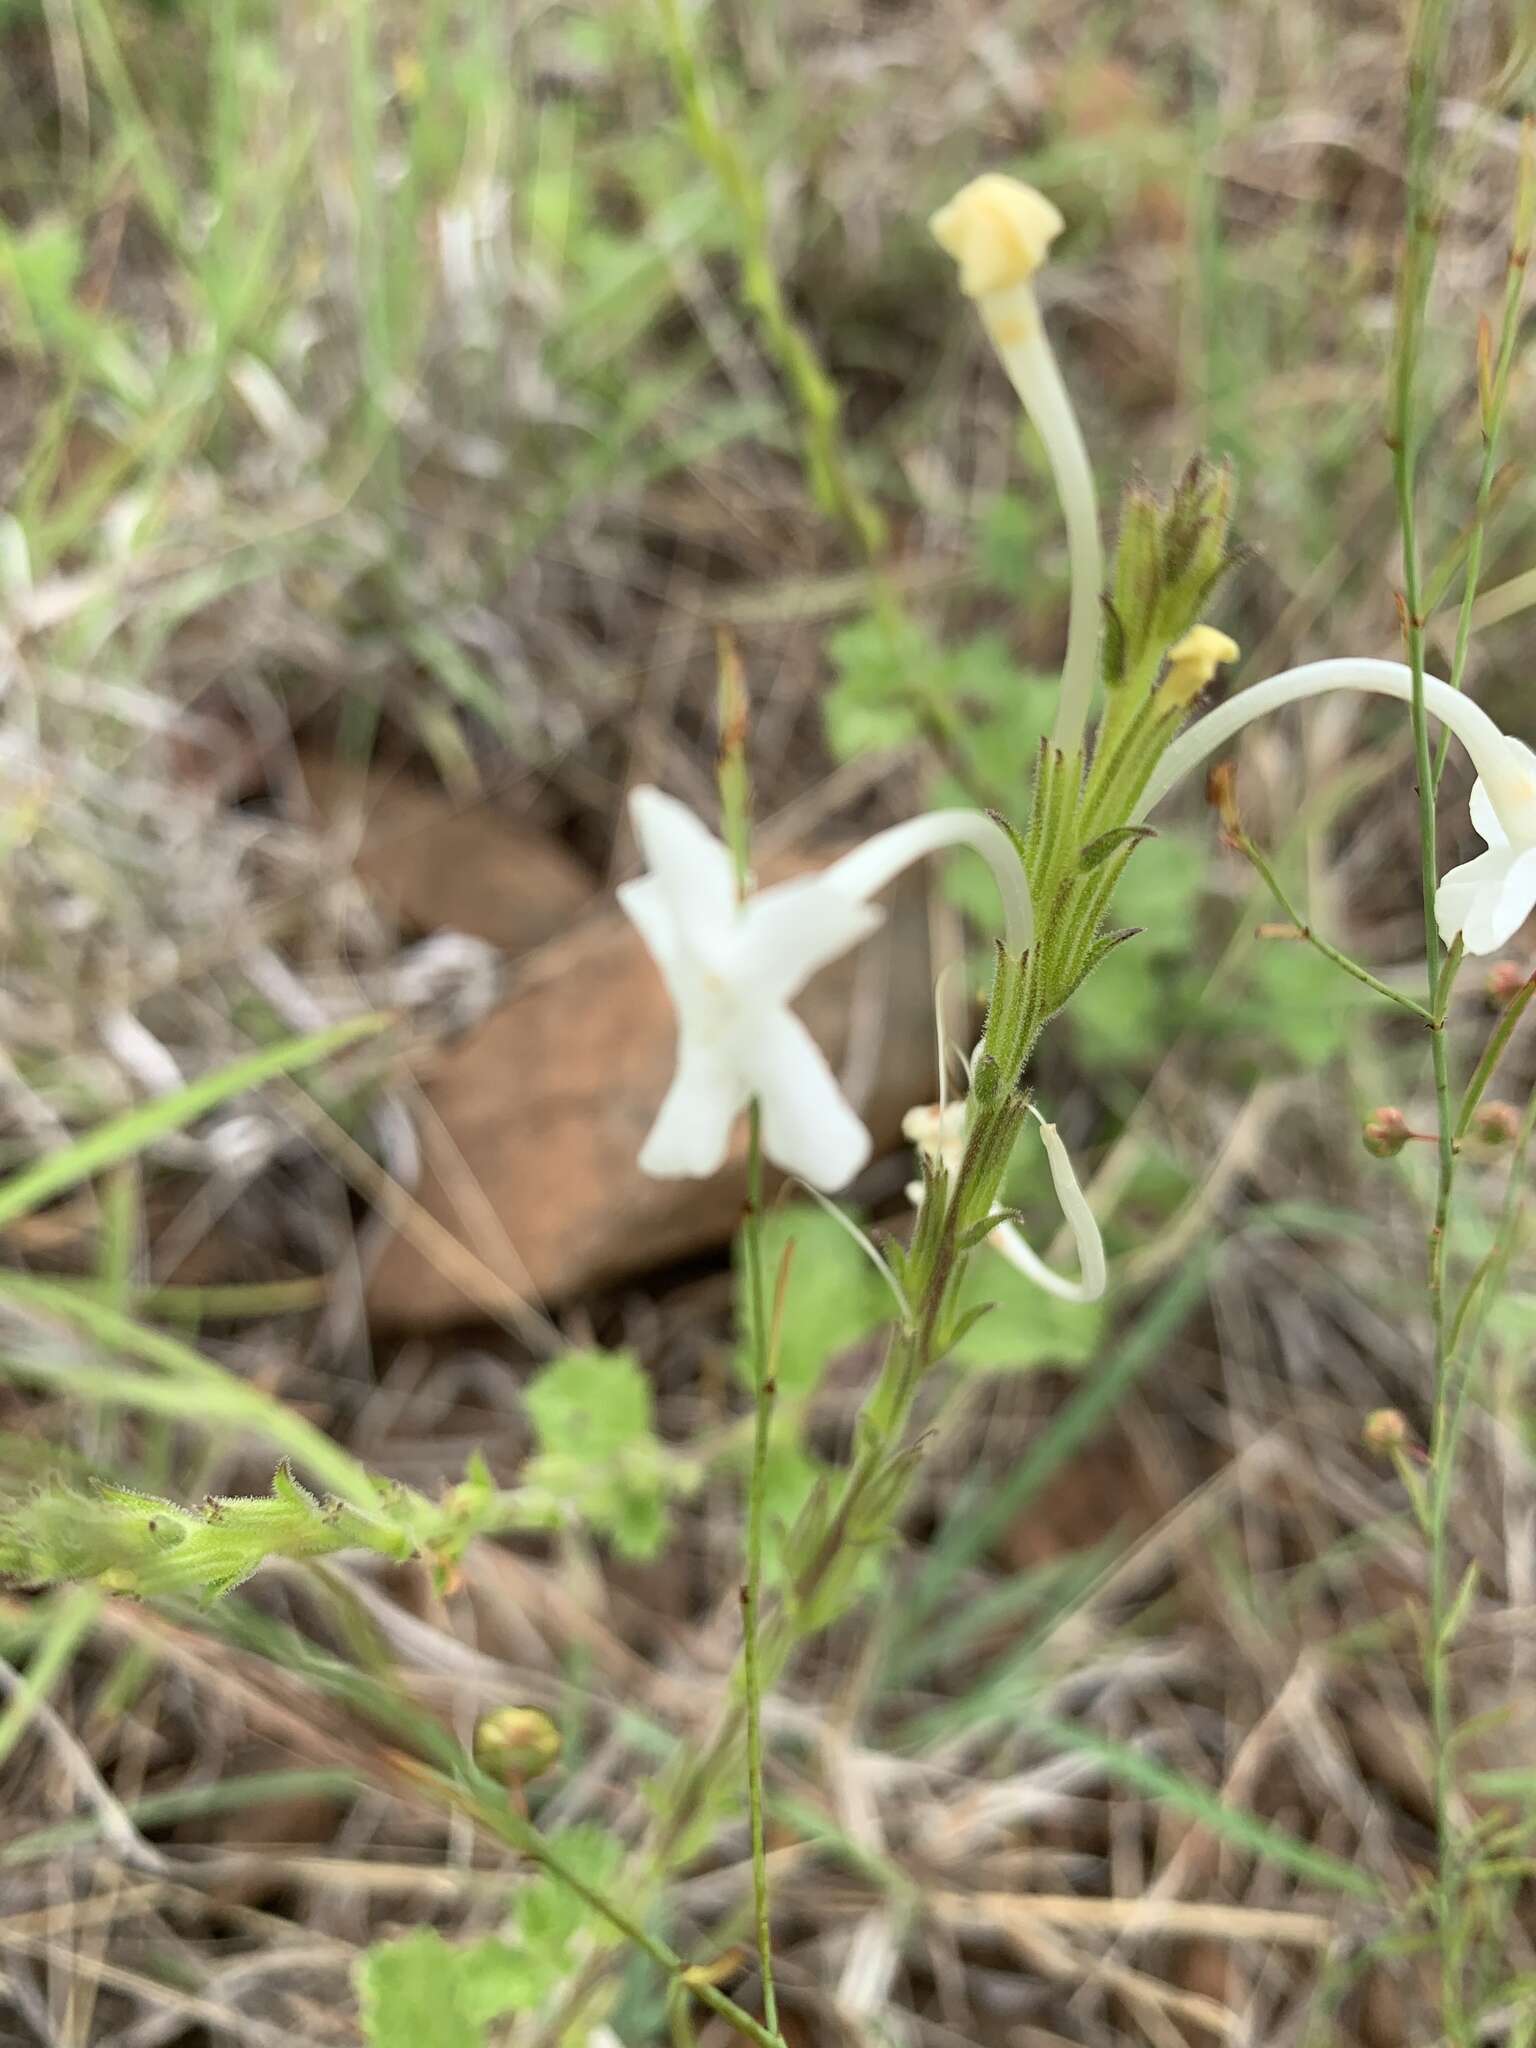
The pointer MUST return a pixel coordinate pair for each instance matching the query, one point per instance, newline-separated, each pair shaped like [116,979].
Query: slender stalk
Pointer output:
[499,1817]
[823,448]
[1493,393]
[1418,266]
[1493,1052]
[752,1591]
[1361,973]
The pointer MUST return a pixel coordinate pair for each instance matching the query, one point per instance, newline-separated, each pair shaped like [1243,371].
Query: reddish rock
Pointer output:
[430,861]
[543,1109]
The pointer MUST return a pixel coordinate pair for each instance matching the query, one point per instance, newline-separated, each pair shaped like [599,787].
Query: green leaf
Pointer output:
[1008,539]
[595,1403]
[600,1459]
[834,1297]
[1132,1003]
[425,1992]
[548,1916]
[410,1994]
[1301,1002]
[1026,1327]
[879,663]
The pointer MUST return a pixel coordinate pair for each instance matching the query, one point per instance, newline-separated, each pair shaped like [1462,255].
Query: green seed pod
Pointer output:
[517,1743]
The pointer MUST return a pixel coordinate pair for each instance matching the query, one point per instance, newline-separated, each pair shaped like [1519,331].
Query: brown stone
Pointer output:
[537,1117]
[431,862]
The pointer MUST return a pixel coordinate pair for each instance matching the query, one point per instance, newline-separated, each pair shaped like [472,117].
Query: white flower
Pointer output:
[732,969]
[937,1130]
[1487,899]
[999,230]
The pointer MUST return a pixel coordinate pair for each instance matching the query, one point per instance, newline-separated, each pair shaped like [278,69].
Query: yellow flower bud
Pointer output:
[998,230]
[1193,662]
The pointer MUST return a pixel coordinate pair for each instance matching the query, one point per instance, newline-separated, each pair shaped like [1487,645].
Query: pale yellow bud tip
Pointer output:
[1194,660]
[998,230]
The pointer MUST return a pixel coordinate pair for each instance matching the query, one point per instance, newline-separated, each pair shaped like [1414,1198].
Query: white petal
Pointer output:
[645,904]
[808,1127]
[692,866]
[1461,888]
[692,1131]
[1484,821]
[1498,913]
[1016,1249]
[789,932]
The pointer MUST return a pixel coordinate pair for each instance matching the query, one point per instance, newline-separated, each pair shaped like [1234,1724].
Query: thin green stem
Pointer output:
[1492,400]
[499,1817]
[1493,1052]
[824,452]
[751,1593]
[1251,853]
[1418,266]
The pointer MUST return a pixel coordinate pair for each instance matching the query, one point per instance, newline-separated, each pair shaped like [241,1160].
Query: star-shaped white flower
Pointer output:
[1488,899]
[733,968]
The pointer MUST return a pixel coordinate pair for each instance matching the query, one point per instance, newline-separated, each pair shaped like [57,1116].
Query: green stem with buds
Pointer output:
[1414,286]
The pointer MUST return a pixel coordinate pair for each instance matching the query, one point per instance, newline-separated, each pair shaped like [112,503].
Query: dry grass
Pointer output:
[476,472]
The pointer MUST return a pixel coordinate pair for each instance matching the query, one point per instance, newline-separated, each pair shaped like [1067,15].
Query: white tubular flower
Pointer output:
[999,231]
[732,969]
[938,1133]
[1487,899]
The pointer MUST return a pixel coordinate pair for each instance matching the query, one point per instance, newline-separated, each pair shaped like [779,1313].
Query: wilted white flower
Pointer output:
[732,969]
[1486,900]
[937,1130]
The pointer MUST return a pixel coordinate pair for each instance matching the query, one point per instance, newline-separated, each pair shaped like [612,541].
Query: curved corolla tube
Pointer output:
[1011,1243]
[868,868]
[1503,775]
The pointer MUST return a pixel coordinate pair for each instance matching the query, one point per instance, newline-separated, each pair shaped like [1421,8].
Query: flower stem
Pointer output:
[1491,405]
[763,1390]
[1449,1385]
[498,1816]
[1245,846]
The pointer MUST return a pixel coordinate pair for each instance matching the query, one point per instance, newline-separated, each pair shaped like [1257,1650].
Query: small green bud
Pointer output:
[1138,572]
[1194,544]
[1386,1429]
[517,1743]
[984,1081]
[1386,1133]
[1505,981]
[1497,1123]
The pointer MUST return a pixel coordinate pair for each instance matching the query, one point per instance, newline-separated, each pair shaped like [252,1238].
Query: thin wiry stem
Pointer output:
[1418,266]
[752,1590]
[1493,395]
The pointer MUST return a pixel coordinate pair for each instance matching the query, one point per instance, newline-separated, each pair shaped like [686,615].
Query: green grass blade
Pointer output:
[186,1802]
[124,1136]
[1232,1824]
[976,1523]
[196,1388]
